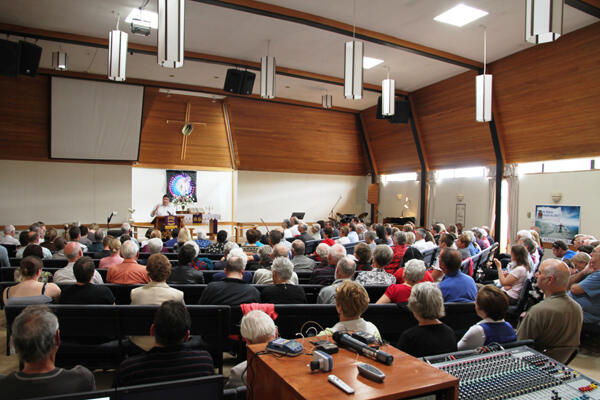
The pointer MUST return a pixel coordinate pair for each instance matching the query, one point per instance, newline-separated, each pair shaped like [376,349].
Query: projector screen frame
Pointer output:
[109,160]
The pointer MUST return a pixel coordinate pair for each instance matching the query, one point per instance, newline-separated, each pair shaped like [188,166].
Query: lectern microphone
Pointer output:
[112,214]
[345,340]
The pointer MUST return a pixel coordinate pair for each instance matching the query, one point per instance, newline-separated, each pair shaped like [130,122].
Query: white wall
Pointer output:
[273,196]
[60,192]
[476,192]
[390,206]
[149,185]
[580,188]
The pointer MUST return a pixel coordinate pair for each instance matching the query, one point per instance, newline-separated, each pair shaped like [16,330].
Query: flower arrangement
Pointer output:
[183,201]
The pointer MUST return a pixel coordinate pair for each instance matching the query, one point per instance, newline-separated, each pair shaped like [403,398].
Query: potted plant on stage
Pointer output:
[182,202]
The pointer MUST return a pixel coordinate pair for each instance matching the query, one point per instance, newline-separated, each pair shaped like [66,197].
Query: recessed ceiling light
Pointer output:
[143,15]
[460,15]
[370,62]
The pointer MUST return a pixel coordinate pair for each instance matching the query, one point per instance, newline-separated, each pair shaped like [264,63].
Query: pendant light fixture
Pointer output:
[353,65]
[327,100]
[59,60]
[483,90]
[117,53]
[388,92]
[171,17]
[267,75]
[543,21]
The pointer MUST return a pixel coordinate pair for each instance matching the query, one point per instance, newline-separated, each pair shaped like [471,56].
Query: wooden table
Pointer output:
[290,378]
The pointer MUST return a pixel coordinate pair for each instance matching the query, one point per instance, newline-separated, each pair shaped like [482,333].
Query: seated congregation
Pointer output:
[403,285]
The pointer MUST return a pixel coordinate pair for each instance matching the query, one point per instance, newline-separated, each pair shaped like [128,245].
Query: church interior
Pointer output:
[332,133]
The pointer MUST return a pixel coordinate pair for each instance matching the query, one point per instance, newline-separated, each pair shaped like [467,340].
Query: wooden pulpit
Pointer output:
[168,222]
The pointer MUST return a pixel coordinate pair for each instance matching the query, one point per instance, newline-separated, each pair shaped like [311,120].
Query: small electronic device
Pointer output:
[371,372]
[326,346]
[321,361]
[364,337]
[340,384]
[286,347]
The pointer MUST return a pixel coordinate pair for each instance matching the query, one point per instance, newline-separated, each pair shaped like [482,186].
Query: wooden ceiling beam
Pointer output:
[83,40]
[192,88]
[316,21]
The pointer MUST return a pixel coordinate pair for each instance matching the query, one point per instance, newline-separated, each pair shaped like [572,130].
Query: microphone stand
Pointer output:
[336,203]
[108,220]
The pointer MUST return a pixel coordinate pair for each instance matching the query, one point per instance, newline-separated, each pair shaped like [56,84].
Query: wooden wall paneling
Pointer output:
[423,161]
[450,133]
[161,142]
[232,153]
[25,118]
[369,149]
[287,138]
[392,145]
[547,98]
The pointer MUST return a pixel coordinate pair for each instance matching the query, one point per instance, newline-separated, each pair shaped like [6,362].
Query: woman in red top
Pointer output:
[328,234]
[414,271]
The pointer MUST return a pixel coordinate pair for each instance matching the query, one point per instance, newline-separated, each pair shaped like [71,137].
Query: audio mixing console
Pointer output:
[518,373]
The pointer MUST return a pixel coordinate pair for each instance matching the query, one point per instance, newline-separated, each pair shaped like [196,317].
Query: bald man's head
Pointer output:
[553,276]
[279,250]
[73,251]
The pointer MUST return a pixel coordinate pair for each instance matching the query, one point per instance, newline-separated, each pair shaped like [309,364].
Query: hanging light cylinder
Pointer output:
[327,101]
[483,91]
[171,17]
[267,77]
[353,70]
[543,20]
[59,60]
[388,92]
[117,55]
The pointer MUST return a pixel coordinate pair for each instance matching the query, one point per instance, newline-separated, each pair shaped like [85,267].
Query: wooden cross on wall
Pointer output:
[188,127]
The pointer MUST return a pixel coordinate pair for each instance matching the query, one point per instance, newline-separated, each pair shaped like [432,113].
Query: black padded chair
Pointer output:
[514,311]
[311,291]
[304,277]
[293,316]
[460,317]
[391,320]
[428,256]
[89,334]
[11,249]
[311,246]
[375,292]
[191,292]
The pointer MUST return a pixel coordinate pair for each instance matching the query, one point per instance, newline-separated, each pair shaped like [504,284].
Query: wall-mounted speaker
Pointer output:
[30,58]
[239,82]
[9,58]
[401,113]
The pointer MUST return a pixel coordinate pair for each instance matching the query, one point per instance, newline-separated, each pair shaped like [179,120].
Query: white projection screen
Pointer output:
[95,120]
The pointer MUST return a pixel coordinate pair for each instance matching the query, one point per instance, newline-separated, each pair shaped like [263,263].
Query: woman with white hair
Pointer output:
[413,273]
[430,336]
[281,291]
[256,327]
[315,231]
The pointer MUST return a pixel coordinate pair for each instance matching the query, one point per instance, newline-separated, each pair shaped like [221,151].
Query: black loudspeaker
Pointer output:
[9,58]
[402,112]
[30,58]
[239,82]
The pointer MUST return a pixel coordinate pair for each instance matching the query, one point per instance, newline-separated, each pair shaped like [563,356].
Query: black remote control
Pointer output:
[371,372]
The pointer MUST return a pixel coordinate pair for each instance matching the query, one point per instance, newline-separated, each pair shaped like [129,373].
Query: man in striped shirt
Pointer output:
[169,360]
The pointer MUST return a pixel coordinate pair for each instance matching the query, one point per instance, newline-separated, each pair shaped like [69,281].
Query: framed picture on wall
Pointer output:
[557,222]
[461,212]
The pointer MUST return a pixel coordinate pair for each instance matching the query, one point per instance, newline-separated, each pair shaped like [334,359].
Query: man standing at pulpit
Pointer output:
[164,209]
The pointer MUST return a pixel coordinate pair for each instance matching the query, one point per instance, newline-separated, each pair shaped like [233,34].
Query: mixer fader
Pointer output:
[517,373]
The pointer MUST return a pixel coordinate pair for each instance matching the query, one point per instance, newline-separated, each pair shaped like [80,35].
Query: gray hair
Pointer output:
[524,233]
[298,247]
[155,245]
[336,253]
[414,270]
[581,257]
[371,235]
[284,268]
[194,245]
[315,228]
[125,227]
[322,250]
[9,229]
[279,250]
[400,237]
[34,333]
[129,249]
[426,301]
[410,238]
[345,268]
[236,260]
[75,252]
[257,327]
[264,252]
[302,227]
[228,247]
[286,223]
[383,255]
[471,235]
[360,228]
[421,232]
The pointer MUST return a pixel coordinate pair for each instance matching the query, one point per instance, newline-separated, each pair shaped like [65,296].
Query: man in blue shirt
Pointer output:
[561,250]
[585,289]
[456,286]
